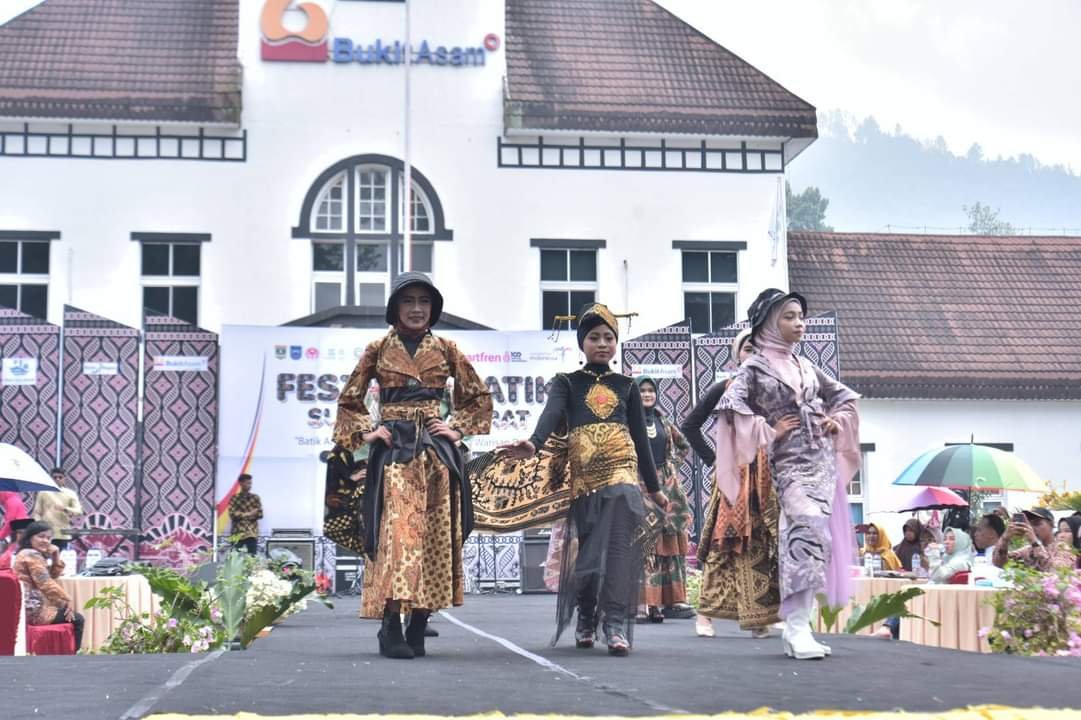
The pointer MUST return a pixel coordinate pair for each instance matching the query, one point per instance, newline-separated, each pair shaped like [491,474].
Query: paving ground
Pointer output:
[496,657]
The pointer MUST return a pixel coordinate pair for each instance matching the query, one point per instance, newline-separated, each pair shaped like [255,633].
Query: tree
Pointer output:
[982,220]
[806,211]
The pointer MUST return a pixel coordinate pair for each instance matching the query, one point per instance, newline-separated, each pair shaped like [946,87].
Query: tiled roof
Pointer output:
[943,316]
[631,66]
[122,60]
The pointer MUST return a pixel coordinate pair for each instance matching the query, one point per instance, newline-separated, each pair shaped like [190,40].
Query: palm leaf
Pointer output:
[882,607]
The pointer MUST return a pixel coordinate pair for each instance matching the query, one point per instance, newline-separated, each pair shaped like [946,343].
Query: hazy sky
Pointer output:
[1003,73]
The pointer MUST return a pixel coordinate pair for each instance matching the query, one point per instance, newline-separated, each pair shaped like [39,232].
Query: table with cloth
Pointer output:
[101,622]
[960,610]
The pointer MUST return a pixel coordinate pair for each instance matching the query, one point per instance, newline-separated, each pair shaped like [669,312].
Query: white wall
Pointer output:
[1047,435]
[303,117]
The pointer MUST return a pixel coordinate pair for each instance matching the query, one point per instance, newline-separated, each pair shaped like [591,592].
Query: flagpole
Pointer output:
[407,192]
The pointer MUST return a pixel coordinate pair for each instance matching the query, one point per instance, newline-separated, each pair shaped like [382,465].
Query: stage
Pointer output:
[496,657]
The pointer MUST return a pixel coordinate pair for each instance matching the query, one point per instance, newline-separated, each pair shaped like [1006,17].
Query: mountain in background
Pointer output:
[878,181]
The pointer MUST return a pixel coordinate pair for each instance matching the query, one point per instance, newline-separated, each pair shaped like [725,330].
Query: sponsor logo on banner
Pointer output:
[280,351]
[19,371]
[296,352]
[312,353]
[100,368]
[181,363]
[659,372]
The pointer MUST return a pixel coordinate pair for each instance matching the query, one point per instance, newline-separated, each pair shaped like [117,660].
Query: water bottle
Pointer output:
[934,558]
[876,561]
[868,565]
[917,566]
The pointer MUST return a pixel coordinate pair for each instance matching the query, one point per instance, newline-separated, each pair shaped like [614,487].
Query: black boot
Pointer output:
[585,632]
[616,634]
[391,642]
[415,632]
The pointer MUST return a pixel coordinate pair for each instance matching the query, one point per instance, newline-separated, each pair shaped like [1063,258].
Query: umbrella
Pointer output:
[19,472]
[972,467]
[934,498]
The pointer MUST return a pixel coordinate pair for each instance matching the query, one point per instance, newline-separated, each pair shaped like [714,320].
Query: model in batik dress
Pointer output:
[416,506]
[809,425]
[737,548]
[608,450]
[664,586]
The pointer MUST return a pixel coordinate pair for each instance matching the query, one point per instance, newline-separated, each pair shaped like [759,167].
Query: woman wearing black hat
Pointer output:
[608,450]
[416,506]
[809,424]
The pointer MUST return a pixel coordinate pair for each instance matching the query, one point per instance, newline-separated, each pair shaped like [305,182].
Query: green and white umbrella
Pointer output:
[972,467]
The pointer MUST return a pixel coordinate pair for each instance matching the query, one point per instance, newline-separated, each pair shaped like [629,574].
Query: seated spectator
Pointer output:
[1072,538]
[1042,550]
[958,556]
[45,602]
[11,509]
[17,527]
[988,531]
[877,542]
[910,544]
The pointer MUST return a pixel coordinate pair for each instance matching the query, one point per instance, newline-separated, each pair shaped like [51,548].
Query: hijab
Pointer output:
[905,549]
[780,353]
[1074,521]
[737,345]
[962,545]
[890,561]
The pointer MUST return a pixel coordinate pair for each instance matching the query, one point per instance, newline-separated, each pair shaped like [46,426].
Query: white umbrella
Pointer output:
[20,473]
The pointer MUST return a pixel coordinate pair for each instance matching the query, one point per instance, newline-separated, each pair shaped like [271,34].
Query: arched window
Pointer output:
[354,214]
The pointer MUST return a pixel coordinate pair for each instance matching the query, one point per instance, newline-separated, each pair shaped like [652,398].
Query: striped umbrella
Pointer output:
[972,467]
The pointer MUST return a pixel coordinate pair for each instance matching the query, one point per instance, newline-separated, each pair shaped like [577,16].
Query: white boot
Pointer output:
[798,641]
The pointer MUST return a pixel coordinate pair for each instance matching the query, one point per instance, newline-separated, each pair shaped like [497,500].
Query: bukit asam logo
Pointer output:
[312,42]
[279,43]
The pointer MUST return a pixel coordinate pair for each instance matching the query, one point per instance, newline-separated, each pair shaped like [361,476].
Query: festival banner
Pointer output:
[279,394]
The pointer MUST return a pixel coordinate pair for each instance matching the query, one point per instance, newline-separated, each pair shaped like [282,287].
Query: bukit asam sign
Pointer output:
[312,43]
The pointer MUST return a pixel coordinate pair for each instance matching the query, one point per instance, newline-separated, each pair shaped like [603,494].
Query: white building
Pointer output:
[952,339]
[194,158]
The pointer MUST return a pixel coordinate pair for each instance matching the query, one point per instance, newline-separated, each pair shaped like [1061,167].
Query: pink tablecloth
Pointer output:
[100,623]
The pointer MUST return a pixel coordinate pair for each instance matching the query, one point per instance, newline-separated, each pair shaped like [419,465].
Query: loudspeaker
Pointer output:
[534,551]
[304,549]
[347,565]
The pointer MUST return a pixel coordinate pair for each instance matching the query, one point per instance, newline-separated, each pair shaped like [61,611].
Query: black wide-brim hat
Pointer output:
[401,283]
[764,304]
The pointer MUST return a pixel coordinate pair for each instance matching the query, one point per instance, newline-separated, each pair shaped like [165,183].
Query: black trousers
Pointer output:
[77,622]
[248,545]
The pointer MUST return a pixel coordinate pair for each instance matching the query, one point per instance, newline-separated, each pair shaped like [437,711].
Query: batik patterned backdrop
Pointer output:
[28,412]
[179,447]
[99,418]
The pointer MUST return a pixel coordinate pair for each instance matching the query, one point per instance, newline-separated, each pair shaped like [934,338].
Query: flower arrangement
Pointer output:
[248,594]
[1039,615]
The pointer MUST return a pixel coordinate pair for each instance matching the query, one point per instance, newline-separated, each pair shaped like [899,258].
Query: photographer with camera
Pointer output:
[1041,551]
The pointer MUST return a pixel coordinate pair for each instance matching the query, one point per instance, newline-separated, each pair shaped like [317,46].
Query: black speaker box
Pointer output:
[304,548]
[534,549]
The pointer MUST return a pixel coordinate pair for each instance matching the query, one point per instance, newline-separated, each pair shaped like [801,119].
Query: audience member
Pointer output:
[1074,541]
[958,556]
[910,543]
[38,565]
[876,542]
[990,528]
[11,509]
[1042,550]
[8,556]
[58,509]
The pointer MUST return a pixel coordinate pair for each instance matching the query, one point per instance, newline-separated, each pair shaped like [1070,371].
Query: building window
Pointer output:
[710,281]
[568,280]
[354,215]
[170,279]
[24,276]
[857,497]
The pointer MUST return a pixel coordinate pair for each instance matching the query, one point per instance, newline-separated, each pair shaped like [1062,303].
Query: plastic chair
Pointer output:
[11,604]
[46,639]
